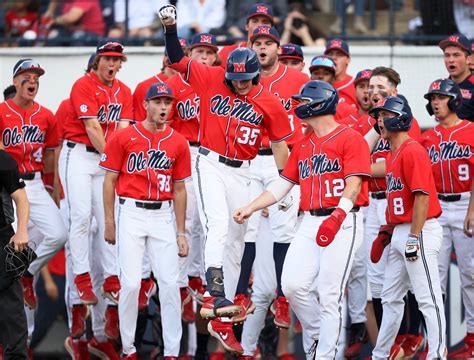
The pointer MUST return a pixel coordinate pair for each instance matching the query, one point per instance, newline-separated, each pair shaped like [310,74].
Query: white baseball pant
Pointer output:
[221,190]
[138,230]
[46,218]
[193,264]
[375,218]
[83,180]
[263,172]
[423,274]
[452,220]
[314,280]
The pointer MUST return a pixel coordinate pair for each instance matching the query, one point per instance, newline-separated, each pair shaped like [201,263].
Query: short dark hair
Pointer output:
[392,76]
[9,92]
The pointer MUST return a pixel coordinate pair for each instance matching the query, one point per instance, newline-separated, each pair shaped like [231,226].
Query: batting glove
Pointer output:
[383,238]
[412,247]
[329,227]
[167,15]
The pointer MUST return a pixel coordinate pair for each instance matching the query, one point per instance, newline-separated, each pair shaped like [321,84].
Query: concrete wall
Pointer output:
[418,66]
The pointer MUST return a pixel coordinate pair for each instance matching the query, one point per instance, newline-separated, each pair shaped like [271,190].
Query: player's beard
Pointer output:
[270,64]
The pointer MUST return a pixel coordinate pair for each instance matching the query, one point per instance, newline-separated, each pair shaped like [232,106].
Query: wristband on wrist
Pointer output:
[180,234]
[345,204]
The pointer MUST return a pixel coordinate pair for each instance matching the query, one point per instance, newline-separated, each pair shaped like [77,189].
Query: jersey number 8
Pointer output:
[398,208]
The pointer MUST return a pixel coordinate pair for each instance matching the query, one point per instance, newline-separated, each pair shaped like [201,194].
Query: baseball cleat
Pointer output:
[29,296]
[411,345]
[77,348]
[103,350]
[357,338]
[196,289]
[187,307]
[84,289]
[111,289]
[248,307]
[218,306]
[80,313]
[396,352]
[223,332]
[282,313]
[466,351]
[111,330]
[147,290]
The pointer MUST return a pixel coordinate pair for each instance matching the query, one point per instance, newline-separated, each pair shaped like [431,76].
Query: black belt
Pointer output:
[28,176]
[378,195]
[146,205]
[91,149]
[223,159]
[328,211]
[449,197]
[194,143]
[265,151]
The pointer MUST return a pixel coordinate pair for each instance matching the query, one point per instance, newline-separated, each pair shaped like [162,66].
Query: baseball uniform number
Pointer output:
[398,208]
[38,155]
[463,170]
[164,182]
[248,136]
[337,187]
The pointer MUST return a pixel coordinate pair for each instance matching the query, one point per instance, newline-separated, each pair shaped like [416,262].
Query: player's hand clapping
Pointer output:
[183,247]
[412,248]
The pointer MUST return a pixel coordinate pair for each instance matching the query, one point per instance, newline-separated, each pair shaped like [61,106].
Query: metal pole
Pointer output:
[391,29]
[126,20]
[373,16]
[344,18]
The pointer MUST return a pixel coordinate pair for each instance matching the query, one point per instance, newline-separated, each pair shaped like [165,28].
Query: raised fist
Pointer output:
[167,15]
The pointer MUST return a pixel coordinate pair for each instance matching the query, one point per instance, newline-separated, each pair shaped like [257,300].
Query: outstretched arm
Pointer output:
[173,48]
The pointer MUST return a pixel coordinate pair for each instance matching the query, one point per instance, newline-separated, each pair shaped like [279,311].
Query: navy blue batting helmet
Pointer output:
[322,98]
[398,105]
[242,64]
[445,87]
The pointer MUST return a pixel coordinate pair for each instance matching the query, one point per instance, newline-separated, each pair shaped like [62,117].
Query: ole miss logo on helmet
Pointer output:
[466,94]
[366,74]
[239,67]
[435,85]
[206,39]
[262,9]
[336,43]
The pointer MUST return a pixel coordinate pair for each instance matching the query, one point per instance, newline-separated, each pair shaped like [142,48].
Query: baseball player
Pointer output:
[323,68]
[184,118]
[147,165]
[330,164]
[29,135]
[361,84]
[257,15]
[100,103]
[142,87]
[234,109]
[450,145]
[412,210]
[338,50]
[291,55]
[282,82]
[457,51]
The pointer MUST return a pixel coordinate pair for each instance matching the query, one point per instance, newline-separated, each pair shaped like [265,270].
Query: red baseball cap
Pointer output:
[110,48]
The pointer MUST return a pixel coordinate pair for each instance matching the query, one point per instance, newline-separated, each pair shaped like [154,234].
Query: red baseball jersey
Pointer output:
[321,165]
[26,133]
[283,84]
[451,152]
[409,171]
[226,50]
[64,115]
[92,99]
[346,90]
[184,116]
[140,94]
[382,148]
[345,111]
[147,163]
[230,124]
[351,120]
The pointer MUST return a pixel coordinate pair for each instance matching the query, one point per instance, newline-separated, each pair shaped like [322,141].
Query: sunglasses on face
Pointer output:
[27,65]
